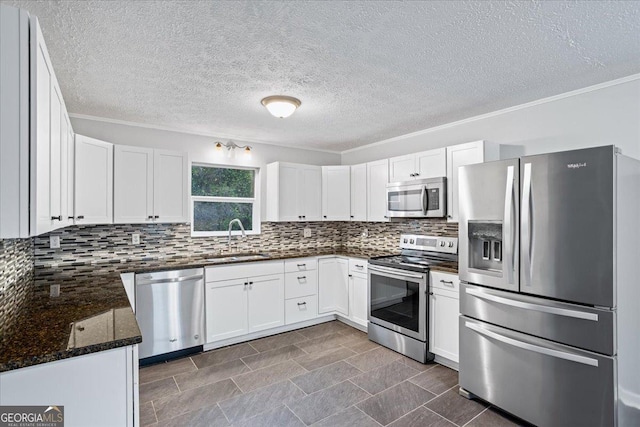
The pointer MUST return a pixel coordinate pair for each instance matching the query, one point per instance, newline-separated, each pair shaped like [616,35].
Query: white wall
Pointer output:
[201,148]
[600,115]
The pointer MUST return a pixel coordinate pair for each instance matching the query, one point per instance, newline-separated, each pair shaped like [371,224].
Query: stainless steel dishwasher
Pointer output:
[170,310]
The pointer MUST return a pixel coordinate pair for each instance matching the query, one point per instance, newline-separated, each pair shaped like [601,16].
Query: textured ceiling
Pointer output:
[365,71]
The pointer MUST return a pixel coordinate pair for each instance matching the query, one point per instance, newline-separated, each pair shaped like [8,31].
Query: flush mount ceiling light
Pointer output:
[281,106]
[231,147]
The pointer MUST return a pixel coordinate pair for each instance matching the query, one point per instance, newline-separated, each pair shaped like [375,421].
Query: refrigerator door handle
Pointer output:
[509,238]
[423,199]
[532,347]
[526,230]
[535,307]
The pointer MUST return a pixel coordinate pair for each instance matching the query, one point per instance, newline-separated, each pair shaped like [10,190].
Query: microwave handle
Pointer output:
[424,199]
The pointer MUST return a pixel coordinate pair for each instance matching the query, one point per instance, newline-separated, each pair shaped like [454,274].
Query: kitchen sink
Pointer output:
[237,258]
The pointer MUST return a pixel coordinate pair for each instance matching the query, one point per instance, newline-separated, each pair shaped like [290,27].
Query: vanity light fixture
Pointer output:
[231,147]
[281,106]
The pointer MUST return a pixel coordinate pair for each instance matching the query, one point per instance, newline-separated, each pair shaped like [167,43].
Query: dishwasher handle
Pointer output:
[170,280]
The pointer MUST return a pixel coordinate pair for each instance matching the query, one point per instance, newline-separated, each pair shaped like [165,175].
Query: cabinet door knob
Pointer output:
[351,216]
[351,275]
[156,217]
[150,217]
[324,216]
[80,217]
[416,174]
[56,218]
[70,217]
[430,293]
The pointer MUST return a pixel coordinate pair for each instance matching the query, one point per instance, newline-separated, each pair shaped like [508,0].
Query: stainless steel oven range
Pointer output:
[398,289]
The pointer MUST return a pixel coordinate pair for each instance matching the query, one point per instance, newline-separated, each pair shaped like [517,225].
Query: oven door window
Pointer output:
[395,301]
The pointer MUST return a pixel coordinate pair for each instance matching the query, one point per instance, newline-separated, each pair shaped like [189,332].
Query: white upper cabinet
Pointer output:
[49,141]
[359,192]
[150,185]
[93,181]
[294,192]
[377,180]
[67,190]
[462,155]
[426,164]
[14,123]
[336,193]
[170,186]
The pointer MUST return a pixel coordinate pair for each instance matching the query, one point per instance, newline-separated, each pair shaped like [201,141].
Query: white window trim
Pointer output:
[255,201]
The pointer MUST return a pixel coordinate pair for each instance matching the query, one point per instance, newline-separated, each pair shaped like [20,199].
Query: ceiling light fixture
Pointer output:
[231,146]
[281,106]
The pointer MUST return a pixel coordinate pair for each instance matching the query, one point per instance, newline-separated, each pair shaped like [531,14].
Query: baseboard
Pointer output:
[268,332]
[446,362]
[351,323]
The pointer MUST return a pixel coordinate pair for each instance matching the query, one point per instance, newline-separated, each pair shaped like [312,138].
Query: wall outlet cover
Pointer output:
[365,233]
[135,239]
[54,291]
[54,242]
[306,232]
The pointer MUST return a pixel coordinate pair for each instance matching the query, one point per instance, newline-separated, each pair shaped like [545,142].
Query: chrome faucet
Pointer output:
[233,221]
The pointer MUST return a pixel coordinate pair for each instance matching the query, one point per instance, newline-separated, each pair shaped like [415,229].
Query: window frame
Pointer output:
[255,200]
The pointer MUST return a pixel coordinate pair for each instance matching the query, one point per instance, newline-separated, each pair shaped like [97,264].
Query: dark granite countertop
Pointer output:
[93,313]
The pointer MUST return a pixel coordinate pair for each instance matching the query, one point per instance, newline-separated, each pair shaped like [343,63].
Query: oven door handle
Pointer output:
[401,273]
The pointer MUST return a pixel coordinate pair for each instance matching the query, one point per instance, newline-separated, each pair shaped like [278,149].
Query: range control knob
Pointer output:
[442,244]
[450,244]
[411,241]
[406,240]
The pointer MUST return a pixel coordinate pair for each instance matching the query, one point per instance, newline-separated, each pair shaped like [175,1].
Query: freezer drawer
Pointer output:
[571,324]
[539,381]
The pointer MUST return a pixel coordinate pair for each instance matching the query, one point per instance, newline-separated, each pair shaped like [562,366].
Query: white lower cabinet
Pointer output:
[444,310]
[301,309]
[242,305]
[227,309]
[333,285]
[358,292]
[300,290]
[266,302]
[97,389]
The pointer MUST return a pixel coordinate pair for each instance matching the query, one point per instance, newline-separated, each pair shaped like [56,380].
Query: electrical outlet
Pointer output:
[54,242]
[135,239]
[306,232]
[365,233]
[54,291]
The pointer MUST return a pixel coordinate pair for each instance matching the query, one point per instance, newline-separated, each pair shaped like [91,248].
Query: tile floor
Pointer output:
[327,375]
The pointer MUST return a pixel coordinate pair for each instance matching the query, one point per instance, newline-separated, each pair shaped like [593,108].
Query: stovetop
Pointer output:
[419,253]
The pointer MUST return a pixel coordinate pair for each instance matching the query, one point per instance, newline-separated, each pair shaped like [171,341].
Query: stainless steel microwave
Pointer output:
[423,198]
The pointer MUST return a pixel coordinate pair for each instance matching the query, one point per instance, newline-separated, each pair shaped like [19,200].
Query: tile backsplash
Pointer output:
[96,244]
[16,278]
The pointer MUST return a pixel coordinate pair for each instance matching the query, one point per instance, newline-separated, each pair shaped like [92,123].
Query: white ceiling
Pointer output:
[365,71]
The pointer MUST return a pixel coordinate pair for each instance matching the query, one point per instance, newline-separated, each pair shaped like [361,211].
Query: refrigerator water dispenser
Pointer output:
[485,246]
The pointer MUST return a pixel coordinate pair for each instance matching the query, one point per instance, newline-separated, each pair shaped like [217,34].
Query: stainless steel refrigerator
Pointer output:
[550,302]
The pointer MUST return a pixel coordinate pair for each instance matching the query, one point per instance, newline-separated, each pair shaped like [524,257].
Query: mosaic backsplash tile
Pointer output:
[16,277]
[93,245]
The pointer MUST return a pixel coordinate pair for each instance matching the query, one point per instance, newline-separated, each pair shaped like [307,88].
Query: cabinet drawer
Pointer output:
[299,284]
[241,270]
[300,309]
[357,265]
[300,264]
[446,281]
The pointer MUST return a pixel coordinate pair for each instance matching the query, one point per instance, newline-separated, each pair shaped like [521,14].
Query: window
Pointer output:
[220,194]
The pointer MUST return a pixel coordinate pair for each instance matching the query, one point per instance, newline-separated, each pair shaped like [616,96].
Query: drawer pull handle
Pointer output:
[447,281]
[301,265]
[301,303]
[302,277]
[531,306]
[173,340]
[532,347]
[359,266]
